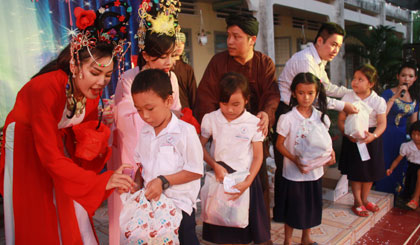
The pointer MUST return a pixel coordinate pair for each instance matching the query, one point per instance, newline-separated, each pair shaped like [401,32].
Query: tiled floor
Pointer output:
[339,224]
[396,227]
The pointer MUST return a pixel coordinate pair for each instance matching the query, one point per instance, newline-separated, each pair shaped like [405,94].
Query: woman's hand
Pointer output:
[220,172]
[241,187]
[121,181]
[388,172]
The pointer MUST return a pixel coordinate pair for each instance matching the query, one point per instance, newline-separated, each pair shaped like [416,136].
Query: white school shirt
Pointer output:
[232,141]
[376,102]
[288,126]
[308,60]
[410,151]
[176,148]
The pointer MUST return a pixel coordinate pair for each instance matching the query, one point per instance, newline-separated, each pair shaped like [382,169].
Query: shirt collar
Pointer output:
[312,117]
[315,54]
[222,119]
[172,127]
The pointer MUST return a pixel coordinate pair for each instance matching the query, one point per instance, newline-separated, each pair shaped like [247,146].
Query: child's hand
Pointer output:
[388,172]
[332,160]
[242,186]
[153,189]
[300,166]
[369,137]
[352,139]
[220,172]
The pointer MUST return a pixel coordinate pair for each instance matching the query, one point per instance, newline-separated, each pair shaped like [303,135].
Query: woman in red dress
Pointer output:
[51,184]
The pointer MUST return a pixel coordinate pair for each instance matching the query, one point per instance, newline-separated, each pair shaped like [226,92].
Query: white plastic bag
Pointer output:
[148,222]
[217,209]
[313,144]
[357,124]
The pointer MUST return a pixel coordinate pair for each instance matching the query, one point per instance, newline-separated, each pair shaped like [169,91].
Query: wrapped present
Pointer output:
[149,222]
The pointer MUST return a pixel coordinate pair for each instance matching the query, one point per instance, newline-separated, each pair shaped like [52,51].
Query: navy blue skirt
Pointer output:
[258,229]
[362,171]
[299,204]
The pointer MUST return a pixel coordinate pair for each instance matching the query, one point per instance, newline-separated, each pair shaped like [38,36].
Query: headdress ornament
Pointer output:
[103,26]
[158,16]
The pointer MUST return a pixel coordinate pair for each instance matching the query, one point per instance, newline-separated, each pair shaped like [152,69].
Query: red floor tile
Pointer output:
[399,221]
[382,236]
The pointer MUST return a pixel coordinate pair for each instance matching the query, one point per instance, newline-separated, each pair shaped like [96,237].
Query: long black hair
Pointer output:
[321,96]
[62,62]
[414,89]
[156,45]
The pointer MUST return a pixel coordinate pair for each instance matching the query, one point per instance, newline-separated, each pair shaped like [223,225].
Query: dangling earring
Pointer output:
[80,75]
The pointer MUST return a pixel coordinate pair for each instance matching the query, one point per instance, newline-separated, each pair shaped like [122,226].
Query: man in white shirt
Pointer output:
[313,59]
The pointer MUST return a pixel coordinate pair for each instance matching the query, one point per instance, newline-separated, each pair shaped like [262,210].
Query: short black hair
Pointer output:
[152,80]
[230,83]
[415,127]
[328,29]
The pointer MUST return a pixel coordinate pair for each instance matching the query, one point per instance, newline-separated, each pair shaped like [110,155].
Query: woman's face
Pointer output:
[163,62]
[94,77]
[407,76]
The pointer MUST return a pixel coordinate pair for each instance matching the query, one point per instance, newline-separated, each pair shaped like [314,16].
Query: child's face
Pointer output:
[234,107]
[407,76]
[163,63]
[360,83]
[154,110]
[415,136]
[305,94]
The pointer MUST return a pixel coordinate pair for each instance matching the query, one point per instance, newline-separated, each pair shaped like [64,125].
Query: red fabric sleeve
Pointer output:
[84,186]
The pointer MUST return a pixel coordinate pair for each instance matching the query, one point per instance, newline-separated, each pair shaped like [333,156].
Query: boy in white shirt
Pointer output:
[410,150]
[169,154]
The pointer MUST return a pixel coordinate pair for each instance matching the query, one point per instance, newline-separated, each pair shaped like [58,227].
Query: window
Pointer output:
[283,51]
[220,41]
[188,45]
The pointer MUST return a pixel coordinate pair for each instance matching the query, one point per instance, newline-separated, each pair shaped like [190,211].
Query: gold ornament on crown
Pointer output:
[165,22]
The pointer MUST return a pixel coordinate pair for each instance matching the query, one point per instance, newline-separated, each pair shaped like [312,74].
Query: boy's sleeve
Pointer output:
[283,125]
[206,131]
[194,160]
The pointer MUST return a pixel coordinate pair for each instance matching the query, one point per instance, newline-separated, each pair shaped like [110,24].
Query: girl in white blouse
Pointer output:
[300,193]
[360,172]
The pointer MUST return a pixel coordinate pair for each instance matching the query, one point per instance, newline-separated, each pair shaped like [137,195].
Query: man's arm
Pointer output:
[208,91]
[270,95]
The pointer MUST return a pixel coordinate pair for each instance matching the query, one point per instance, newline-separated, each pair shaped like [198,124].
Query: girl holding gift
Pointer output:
[362,173]
[301,187]
[236,146]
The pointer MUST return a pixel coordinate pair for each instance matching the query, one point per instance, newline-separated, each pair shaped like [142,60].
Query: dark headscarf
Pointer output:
[247,23]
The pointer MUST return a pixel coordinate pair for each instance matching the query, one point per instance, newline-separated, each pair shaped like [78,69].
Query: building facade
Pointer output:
[285,26]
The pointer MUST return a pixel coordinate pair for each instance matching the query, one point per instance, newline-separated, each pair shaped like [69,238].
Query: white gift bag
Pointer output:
[217,209]
[148,222]
[357,124]
[313,144]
